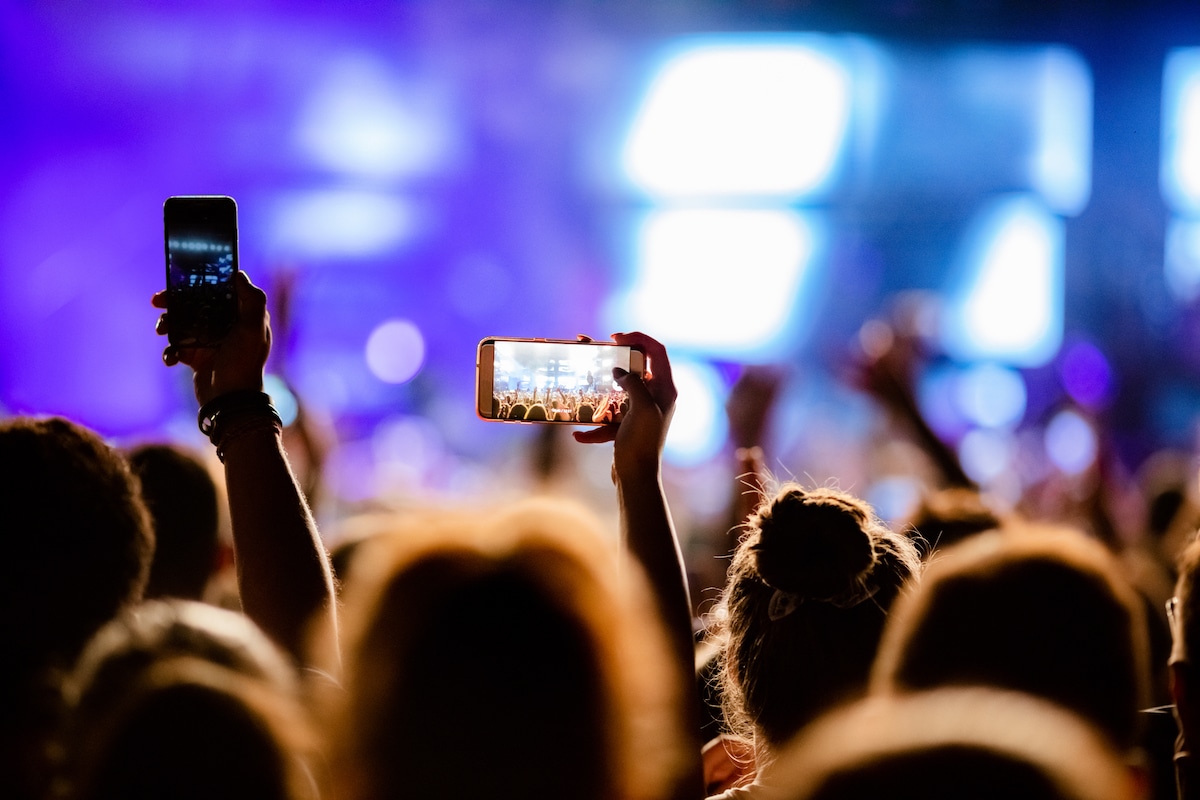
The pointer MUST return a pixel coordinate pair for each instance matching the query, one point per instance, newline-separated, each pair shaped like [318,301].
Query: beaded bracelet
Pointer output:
[234,413]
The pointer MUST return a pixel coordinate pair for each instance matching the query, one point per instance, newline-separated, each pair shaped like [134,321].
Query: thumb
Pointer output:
[634,386]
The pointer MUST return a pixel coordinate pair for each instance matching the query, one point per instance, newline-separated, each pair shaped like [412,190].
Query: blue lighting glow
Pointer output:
[725,281]
[987,454]
[1086,375]
[1062,162]
[1009,305]
[282,398]
[991,396]
[699,426]
[1182,263]
[1071,442]
[361,121]
[1180,171]
[395,351]
[742,116]
[341,223]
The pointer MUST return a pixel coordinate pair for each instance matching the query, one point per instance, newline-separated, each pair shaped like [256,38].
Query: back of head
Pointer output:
[1040,610]
[182,498]
[191,729]
[948,516]
[951,743]
[77,547]
[493,657]
[808,593]
[128,647]
[78,538]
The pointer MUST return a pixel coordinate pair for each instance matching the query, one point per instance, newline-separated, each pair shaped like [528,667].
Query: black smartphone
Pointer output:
[552,380]
[201,238]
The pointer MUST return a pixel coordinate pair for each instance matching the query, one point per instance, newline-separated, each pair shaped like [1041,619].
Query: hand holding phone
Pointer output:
[552,380]
[201,240]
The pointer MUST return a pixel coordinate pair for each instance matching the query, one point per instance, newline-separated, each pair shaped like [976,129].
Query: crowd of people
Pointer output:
[585,406]
[520,652]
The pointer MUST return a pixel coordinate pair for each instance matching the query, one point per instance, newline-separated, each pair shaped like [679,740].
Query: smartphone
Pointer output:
[201,238]
[552,380]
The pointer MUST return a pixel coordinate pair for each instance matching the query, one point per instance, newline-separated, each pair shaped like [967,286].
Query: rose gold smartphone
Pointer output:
[552,380]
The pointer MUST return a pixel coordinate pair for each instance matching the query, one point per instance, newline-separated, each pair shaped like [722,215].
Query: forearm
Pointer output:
[283,570]
[649,535]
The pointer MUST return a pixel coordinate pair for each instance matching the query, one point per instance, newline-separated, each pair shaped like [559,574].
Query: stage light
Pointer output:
[1008,307]
[1180,168]
[282,398]
[1062,160]
[986,454]
[361,121]
[748,116]
[699,426]
[991,396]
[341,223]
[395,351]
[724,281]
[1071,442]
[1182,262]
[1086,375]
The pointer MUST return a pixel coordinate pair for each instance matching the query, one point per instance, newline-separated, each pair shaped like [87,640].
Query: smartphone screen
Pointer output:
[540,380]
[201,240]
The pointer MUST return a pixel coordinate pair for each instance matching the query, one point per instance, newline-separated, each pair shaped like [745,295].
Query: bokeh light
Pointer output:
[395,351]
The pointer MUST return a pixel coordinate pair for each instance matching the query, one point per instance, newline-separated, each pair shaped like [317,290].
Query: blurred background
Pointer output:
[1017,185]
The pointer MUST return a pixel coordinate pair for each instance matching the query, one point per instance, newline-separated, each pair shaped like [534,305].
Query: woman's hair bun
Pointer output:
[813,544]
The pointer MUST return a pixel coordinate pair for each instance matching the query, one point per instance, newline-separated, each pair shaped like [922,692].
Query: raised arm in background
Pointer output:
[283,570]
[646,526]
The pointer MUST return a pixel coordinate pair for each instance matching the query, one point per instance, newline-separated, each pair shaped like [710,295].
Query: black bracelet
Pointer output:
[233,403]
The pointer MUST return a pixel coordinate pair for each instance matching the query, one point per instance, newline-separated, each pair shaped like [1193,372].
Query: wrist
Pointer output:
[234,414]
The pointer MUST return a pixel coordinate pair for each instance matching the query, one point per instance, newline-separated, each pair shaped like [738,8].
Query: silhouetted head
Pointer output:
[176,698]
[78,538]
[1036,609]
[948,516]
[808,593]
[494,656]
[182,498]
[77,545]
[947,744]
[191,730]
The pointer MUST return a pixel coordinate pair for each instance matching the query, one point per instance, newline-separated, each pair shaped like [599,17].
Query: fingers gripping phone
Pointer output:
[552,380]
[201,238]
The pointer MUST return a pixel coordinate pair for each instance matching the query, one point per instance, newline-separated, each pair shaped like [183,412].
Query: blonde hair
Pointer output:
[1035,608]
[478,597]
[950,743]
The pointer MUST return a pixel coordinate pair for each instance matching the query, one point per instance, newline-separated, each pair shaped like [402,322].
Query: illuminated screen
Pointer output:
[557,381]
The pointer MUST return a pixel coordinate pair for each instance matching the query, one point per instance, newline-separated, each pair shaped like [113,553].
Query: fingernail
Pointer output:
[619,373]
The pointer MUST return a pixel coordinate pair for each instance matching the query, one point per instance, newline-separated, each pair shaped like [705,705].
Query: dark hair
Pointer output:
[190,729]
[948,516]
[804,606]
[1037,609]
[182,498]
[77,546]
[79,539]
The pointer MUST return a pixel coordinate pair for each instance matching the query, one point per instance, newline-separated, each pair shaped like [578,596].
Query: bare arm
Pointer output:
[646,526]
[283,570]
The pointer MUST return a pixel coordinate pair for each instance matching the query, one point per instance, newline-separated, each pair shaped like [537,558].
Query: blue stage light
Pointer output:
[1180,169]
[699,426]
[341,223]
[395,351]
[362,121]
[1009,304]
[724,281]
[742,116]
